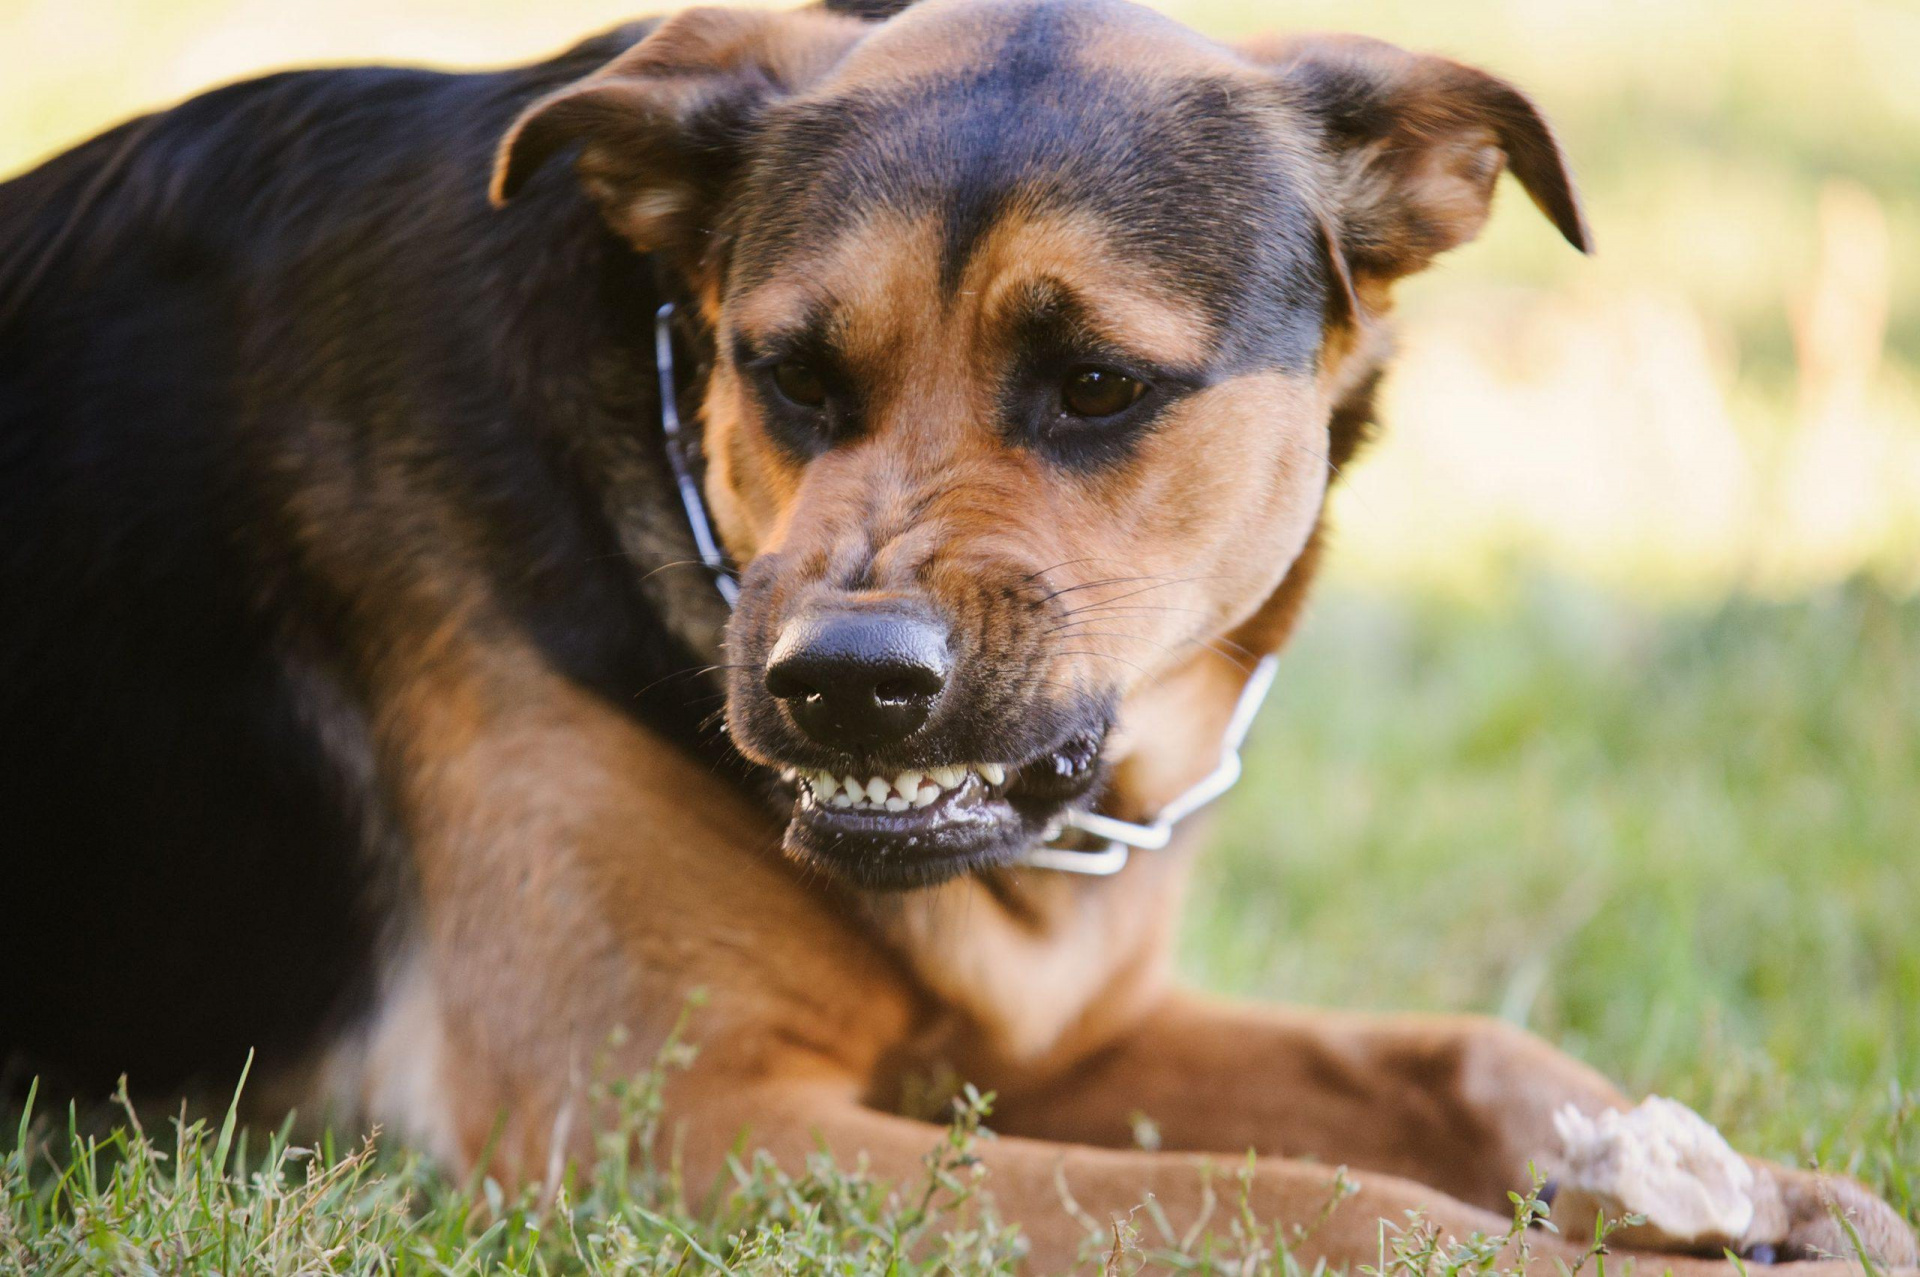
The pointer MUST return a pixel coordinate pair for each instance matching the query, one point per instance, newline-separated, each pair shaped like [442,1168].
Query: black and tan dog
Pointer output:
[359,703]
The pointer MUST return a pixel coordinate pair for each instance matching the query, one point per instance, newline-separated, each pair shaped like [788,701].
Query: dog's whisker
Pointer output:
[1154,581]
[1093,585]
[676,563]
[1108,656]
[1067,563]
[1133,609]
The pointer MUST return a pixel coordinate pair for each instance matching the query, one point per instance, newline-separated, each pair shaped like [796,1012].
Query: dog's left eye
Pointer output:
[800,383]
[1099,392]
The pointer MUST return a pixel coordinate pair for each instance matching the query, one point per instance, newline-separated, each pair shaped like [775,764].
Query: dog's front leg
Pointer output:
[1463,1103]
[1055,1191]
[577,881]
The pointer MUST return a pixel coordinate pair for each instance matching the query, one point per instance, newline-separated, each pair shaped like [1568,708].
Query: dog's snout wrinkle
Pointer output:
[856,679]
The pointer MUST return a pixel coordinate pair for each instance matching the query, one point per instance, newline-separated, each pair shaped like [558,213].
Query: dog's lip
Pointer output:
[854,789]
[847,787]
[973,802]
[988,818]
[967,828]
[943,818]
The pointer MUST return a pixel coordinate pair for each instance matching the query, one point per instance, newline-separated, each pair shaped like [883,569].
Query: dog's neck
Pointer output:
[1041,964]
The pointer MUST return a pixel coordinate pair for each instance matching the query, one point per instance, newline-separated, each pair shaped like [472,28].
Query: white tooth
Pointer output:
[789,774]
[853,787]
[907,783]
[823,784]
[927,796]
[842,801]
[947,777]
[993,773]
[897,803]
[877,789]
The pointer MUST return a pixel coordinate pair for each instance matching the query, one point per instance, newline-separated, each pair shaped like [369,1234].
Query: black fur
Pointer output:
[275,331]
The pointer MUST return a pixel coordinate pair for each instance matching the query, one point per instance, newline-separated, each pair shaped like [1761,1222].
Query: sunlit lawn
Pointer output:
[1684,844]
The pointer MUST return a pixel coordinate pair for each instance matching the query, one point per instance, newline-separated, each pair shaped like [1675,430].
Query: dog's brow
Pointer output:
[1121,319]
[770,314]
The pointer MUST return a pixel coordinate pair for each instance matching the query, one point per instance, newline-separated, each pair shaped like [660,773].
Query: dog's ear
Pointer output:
[1415,144]
[663,127]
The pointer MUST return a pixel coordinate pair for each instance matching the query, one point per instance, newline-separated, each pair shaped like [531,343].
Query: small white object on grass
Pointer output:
[1661,1161]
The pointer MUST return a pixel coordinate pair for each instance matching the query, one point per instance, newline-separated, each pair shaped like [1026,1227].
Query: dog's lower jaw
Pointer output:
[959,819]
[965,831]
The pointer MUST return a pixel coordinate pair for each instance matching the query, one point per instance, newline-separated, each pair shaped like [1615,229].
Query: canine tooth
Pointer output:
[789,774]
[896,803]
[992,773]
[927,796]
[906,784]
[947,777]
[877,789]
[842,800]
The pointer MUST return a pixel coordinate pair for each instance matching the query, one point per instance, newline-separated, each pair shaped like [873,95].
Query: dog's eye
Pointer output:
[800,383]
[1099,392]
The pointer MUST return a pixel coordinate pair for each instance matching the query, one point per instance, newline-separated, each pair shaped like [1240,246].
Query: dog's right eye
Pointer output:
[799,383]
[1095,392]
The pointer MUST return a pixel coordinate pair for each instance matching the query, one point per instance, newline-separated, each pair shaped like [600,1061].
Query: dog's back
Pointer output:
[206,317]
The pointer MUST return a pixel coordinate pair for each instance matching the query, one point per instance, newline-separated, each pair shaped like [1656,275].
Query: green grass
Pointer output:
[1681,843]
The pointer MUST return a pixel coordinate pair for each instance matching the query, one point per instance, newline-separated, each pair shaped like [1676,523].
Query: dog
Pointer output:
[371,702]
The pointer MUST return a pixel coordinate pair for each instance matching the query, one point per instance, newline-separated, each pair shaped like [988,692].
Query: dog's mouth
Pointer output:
[919,826]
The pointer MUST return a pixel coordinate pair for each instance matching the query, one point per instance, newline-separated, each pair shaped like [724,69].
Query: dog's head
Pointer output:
[1030,318]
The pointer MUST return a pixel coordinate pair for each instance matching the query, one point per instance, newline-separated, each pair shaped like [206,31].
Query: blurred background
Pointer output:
[1609,720]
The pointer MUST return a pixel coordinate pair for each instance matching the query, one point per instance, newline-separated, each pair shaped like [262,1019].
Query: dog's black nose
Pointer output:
[859,679]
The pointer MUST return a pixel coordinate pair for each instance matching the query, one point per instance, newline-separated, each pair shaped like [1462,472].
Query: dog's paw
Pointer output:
[1667,1166]
[1804,1215]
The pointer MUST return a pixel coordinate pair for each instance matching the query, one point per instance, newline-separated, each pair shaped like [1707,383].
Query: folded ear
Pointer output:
[663,128]
[1416,143]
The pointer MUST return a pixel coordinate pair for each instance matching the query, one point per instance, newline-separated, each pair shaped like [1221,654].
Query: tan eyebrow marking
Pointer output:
[1075,249]
[876,276]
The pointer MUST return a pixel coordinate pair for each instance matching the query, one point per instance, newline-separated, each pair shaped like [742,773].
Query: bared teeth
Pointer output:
[909,789]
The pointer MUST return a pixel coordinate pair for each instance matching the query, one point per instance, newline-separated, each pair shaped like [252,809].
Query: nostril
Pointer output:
[917,685]
[785,684]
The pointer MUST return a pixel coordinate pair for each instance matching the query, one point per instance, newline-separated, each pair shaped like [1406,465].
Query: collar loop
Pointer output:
[698,521]
[1123,837]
